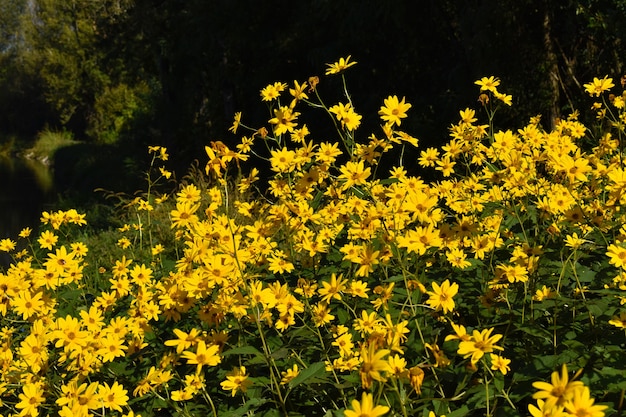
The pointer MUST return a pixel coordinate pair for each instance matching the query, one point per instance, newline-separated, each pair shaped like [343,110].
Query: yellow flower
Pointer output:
[333,289]
[397,366]
[505,98]
[79,249]
[441,361]
[339,66]
[203,356]
[372,365]
[498,363]
[289,374]
[141,275]
[543,293]
[598,86]
[617,255]
[574,241]
[184,214]
[327,152]
[60,261]
[184,340]
[111,347]
[28,304]
[283,120]
[354,173]
[394,110]
[272,91]
[189,193]
[346,115]
[366,408]
[236,122]
[542,411]
[279,265]
[560,391]
[441,298]
[416,378]
[488,84]
[582,404]
[7,245]
[283,160]
[619,321]
[457,258]
[123,242]
[236,380]
[298,92]
[31,397]
[157,249]
[114,396]
[428,157]
[47,240]
[68,334]
[34,352]
[480,343]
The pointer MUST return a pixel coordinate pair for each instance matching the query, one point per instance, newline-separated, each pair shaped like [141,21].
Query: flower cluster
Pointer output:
[339,287]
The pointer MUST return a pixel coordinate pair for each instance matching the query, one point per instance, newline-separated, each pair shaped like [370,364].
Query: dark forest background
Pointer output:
[121,74]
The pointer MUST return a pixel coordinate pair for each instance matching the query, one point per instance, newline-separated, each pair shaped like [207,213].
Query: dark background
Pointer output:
[123,74]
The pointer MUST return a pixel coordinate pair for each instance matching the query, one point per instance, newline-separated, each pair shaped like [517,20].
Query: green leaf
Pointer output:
[316,369]
[460,412]
[253,404]
[243,350]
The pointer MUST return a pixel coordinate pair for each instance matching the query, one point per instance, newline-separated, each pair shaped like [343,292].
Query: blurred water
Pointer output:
[25,186]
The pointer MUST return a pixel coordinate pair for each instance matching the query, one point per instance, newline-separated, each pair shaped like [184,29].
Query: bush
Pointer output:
[48,142]
[341,290]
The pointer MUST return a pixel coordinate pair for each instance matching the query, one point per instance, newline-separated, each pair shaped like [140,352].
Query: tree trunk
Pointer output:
[553,69]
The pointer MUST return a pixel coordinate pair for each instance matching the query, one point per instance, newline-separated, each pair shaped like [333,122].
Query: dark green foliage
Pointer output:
[174,72]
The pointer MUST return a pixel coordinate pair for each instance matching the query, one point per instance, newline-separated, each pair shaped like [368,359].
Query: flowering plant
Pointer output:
[341,290]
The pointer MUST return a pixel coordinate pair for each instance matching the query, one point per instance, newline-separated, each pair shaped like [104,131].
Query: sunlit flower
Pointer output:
[393,110]
[619,321]
[47,239]
[617,255]
[373,365]
[339,66]
[333,289]
[289,374]
[284,120]
[366,407]
[480,343]
[541,410]
[203,355]
[598,86]
[354,173]
[346,115]
[236,122]
[114,396]
[236,380]
[31,398]
[272,91]
[488,84]
[559,391]
[499,363]
[583,405]
[7,245]
[441,297]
